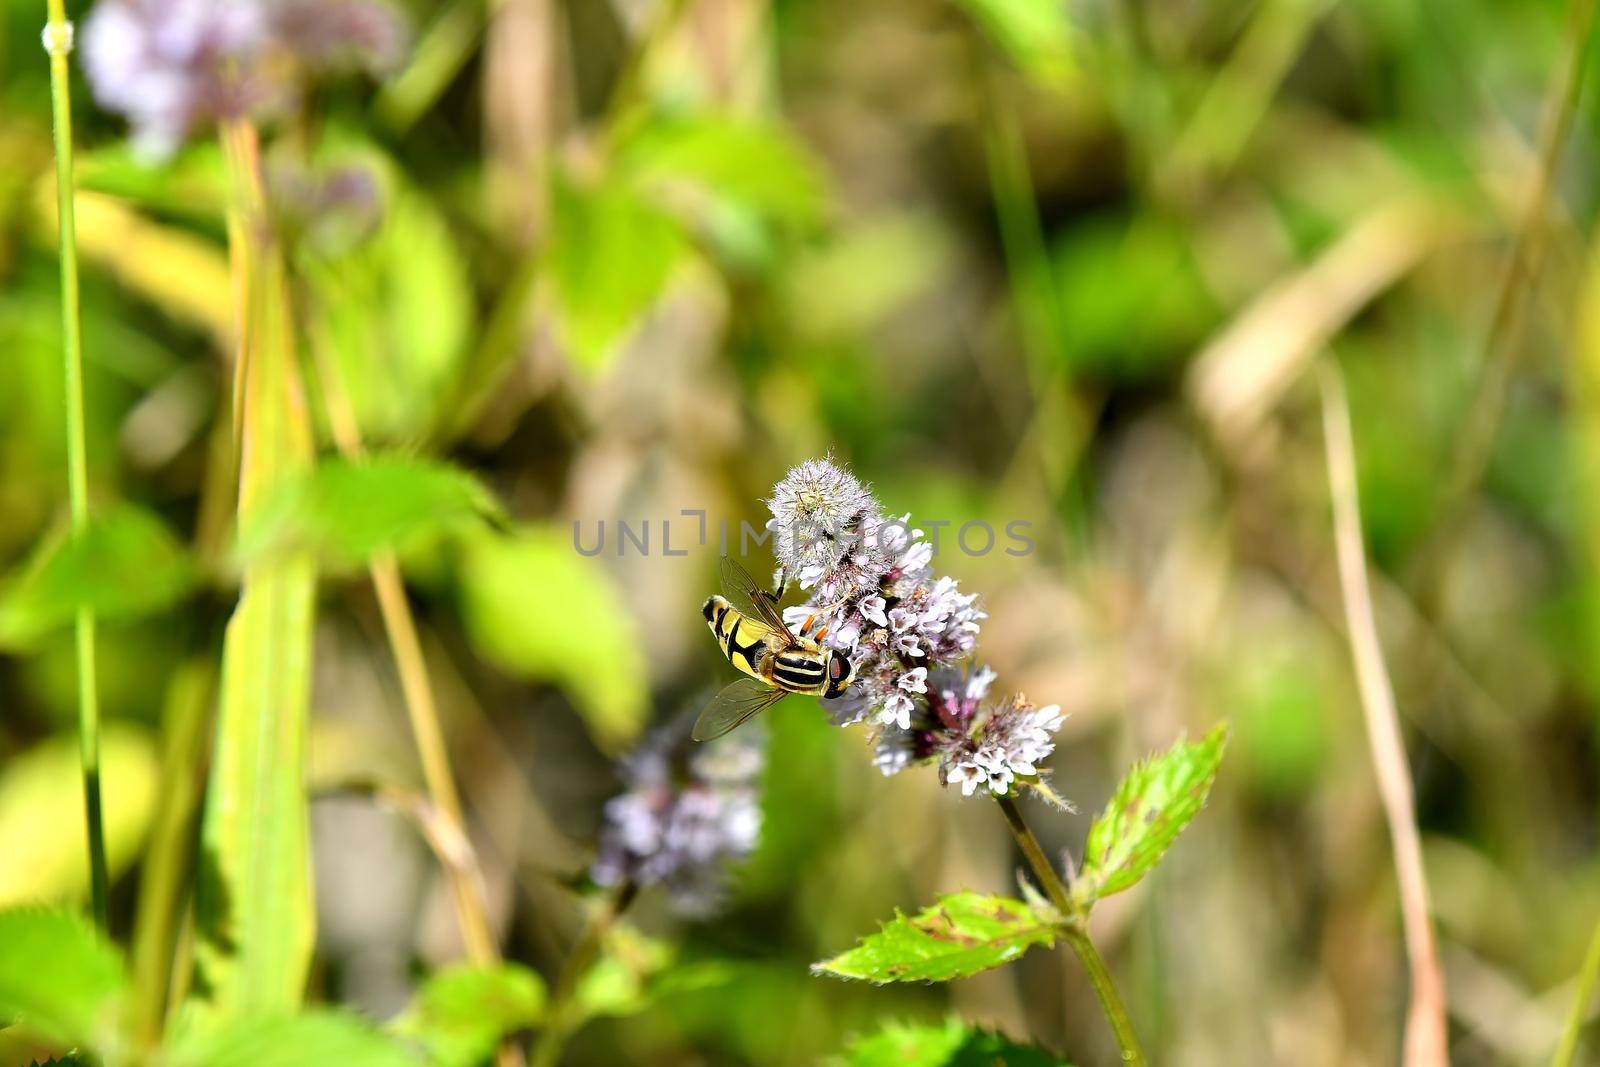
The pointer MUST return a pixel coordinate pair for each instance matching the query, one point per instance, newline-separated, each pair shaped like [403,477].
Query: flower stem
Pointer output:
[1076,933]
[58,42]
[583,955]
[1581,1000]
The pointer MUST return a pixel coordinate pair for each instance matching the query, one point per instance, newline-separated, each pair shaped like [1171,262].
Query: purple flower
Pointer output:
[910,635]
[687,814]
[173,65]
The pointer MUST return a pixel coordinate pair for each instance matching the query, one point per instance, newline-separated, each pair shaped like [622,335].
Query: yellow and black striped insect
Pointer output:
[752,634]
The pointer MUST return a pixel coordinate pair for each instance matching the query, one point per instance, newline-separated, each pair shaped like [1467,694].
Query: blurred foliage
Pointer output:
[950,1045]
[41,812]
[1065,263]
[461,1012]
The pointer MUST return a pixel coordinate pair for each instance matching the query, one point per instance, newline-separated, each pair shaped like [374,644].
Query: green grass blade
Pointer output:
[255,920]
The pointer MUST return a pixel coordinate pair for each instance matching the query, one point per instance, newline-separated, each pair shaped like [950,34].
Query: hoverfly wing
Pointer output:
[737,702]
[747,595]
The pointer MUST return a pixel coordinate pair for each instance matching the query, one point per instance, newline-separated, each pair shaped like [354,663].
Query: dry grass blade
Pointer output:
[1241,375]
[1426,1042]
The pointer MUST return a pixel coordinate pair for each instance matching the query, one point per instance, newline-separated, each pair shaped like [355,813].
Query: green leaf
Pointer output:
[1153,804]
[314,1037]
[126,563]
[192,184]
[345,512]
[949,1045]
[610,256]
[1036,34]
[461,1013]
[396,314]
[539,609]
[962,934]
[756,166]
[59,980]
[42,820]
[636,971]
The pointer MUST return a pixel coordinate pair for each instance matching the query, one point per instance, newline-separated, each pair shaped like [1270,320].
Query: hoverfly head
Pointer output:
[841,672]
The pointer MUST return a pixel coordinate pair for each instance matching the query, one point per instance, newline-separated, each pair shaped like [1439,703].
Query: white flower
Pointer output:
[915,680]
[968,775]
[978,683]
[872,609]
[896,711]
[916,558]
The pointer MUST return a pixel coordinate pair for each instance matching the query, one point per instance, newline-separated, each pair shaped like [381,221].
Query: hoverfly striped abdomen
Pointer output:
[742,640]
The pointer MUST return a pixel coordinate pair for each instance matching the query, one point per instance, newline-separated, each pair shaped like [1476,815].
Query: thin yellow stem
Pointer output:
[422,709]
[58,42]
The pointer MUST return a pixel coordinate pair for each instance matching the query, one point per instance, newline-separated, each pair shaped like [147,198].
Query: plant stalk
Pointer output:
[58,42]
[422,709]
[1075,930]
[547,1053]
[1581,999]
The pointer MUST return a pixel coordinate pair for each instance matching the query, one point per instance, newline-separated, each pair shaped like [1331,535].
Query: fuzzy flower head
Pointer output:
[686,815]
[172,66]
[817,512]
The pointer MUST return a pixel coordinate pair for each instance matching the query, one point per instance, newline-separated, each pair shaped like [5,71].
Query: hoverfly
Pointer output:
[753,636]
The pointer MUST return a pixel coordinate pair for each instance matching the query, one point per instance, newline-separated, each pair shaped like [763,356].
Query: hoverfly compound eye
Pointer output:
[835,666]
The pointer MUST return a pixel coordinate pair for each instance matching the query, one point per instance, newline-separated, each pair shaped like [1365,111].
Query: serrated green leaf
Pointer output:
[59,980]
[949,1045]
[756,166]
[1036,34]
[610,256]
[345,512]
[962,934]
[461,1013]
[1155,801]
[42,820]
[538,608]
[332,1038]
[125,564]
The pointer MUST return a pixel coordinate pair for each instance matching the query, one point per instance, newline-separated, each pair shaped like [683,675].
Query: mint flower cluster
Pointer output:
[688,813]
[909,632]
[172,66]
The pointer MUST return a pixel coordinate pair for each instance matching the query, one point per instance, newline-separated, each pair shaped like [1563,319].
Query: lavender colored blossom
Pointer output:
[688,813]
[171,66]
[910,635]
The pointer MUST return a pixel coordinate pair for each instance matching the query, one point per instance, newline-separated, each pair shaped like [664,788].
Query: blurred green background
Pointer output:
[1070,264]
